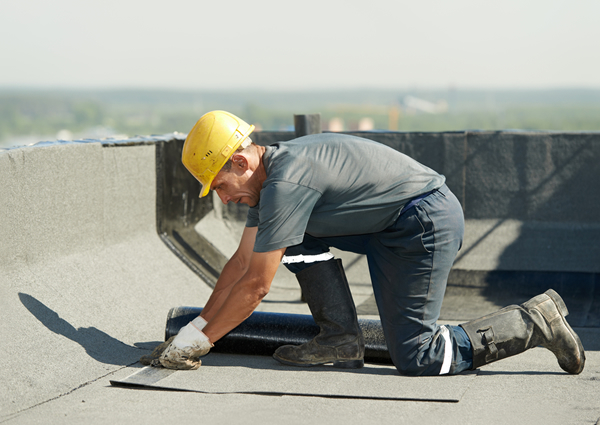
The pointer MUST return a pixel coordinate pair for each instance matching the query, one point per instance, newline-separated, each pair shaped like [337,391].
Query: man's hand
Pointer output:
[186,348]
[152,359]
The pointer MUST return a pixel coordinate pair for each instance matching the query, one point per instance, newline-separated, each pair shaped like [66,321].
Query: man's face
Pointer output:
[237,185]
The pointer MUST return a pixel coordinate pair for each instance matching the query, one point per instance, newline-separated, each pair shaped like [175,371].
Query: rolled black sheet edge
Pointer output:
[262,333]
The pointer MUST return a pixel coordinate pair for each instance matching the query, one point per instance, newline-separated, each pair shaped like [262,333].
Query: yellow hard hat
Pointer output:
[211,142]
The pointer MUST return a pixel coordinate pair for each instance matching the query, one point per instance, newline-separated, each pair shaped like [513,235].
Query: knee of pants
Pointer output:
[420,355]
[411,367]
[405,355]
[452,356]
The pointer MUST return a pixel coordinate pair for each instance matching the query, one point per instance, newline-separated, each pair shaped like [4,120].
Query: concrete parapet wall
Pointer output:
[85,280]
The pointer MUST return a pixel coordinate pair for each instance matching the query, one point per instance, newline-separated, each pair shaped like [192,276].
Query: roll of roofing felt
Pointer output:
[262,333]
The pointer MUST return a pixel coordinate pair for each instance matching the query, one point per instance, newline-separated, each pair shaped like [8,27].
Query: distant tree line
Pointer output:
[45,113]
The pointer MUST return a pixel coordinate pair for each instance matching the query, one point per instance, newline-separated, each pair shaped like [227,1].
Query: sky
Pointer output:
[312,44]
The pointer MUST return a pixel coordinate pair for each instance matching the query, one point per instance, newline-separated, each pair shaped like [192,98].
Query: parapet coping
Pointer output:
[108,142]
[152,139]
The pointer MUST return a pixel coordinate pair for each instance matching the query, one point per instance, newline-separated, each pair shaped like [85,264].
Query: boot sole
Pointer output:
[562,308]
[349,364]
[341,364]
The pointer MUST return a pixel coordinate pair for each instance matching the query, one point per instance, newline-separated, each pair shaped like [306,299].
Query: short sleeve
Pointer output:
[252,217]
[284,211]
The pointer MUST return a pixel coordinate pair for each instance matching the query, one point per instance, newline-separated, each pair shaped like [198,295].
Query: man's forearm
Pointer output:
[233,271]
[231,274]
[243,298]
[245,295]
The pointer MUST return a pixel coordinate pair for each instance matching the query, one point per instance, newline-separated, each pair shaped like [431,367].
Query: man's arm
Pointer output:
[235,297]
[233,271]
[245,295]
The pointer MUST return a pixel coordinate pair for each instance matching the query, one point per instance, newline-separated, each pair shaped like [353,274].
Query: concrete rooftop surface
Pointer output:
[86,283]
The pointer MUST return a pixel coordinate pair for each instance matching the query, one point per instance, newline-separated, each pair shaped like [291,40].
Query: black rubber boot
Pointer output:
[514,329]
[340,341]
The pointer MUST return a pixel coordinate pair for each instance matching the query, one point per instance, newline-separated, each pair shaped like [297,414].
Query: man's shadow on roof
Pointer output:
[97,344]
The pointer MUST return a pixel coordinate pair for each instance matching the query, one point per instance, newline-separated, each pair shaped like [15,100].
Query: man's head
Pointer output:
[211,143]
[241,178]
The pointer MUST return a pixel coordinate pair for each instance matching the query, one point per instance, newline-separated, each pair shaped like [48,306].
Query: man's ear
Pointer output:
[240,163]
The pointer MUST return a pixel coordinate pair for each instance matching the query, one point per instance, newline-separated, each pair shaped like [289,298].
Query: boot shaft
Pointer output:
[340,341]
[328,296]
[499,335]
[514,329]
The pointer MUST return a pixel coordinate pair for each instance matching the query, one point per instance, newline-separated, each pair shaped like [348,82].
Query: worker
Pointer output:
[334,190]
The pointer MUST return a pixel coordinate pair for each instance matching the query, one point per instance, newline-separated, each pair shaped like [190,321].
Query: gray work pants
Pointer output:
[409,263]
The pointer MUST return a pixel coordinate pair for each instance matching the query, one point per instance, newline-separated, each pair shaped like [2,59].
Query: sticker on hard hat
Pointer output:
[226,150]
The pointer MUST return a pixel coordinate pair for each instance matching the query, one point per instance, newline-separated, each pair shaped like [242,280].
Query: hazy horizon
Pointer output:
[29,116]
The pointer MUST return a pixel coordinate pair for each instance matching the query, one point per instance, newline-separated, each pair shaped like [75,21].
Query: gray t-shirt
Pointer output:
[332,185]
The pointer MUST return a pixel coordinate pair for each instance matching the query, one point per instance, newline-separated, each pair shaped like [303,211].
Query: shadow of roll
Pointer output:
[262,333]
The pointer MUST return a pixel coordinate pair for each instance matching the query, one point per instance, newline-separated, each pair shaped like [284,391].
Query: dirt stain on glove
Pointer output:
[148,359]
[181,363]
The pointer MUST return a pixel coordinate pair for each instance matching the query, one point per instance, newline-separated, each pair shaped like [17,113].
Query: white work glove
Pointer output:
[186,348]
[153,358]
